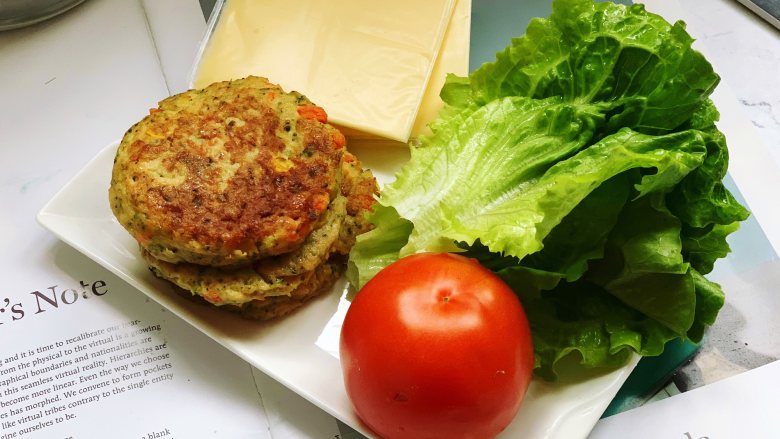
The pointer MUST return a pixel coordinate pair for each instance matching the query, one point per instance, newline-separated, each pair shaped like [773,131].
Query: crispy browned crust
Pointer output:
[272,280]
[267,308]
[360,188]
[321,282]
[242,196]
[225,175]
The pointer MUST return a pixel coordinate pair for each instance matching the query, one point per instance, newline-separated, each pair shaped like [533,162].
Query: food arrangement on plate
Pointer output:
[581,172]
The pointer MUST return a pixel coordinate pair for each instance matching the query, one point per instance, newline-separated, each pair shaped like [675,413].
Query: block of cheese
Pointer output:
[367,62]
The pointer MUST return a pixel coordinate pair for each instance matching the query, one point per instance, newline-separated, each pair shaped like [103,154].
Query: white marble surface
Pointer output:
[745,51]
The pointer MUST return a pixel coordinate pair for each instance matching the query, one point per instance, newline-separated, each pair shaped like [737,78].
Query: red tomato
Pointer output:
[436,346]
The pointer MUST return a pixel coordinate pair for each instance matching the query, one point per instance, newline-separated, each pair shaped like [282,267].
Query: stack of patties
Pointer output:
[241,194]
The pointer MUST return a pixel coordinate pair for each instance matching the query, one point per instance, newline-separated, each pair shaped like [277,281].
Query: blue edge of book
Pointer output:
[651,375]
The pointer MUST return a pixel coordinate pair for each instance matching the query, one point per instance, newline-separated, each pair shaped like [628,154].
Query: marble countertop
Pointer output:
[745,51]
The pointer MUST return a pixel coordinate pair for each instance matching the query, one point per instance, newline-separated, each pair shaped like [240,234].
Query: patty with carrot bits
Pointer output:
[294,275]
[226,175]
[242,196]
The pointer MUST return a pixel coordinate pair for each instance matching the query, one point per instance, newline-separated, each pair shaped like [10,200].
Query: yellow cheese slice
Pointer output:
[368,63]
[453,58]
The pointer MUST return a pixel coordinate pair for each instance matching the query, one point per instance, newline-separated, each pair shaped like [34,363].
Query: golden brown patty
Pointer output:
[360,188]
[273,284]
[226,175]
[317,247]
[224,286]
[320,281]
[338,233]
[279,275]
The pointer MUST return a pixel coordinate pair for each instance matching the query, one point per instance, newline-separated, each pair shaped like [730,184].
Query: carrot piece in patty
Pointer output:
[313,112]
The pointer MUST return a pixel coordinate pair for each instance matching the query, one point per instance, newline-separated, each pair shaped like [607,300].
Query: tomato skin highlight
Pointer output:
[436,346]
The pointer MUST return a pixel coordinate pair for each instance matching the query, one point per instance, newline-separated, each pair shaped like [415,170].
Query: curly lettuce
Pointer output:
[585,168]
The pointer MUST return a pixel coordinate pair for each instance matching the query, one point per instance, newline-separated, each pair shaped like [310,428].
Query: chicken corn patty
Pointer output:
[280,275]
[226,175]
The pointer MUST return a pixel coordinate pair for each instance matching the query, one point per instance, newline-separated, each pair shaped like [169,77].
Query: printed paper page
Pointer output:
[740,407]
[90,357]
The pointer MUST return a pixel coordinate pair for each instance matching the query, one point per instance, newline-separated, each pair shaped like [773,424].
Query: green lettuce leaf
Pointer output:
[701,199]
[582,234]
[584,320]
[604,52]
[585,168]
[644,253]
[379,247]
[702,247]
[511,205]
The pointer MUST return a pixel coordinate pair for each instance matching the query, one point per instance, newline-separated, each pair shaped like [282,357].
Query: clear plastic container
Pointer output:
[19,13]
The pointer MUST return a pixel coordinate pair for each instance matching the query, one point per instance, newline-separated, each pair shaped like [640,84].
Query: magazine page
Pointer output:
[701,413]
[83,354]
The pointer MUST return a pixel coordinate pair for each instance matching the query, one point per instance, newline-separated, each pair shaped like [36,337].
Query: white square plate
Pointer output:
[285,349]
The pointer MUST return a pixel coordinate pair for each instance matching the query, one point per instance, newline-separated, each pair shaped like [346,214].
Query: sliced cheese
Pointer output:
[368,63]
[453,58]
